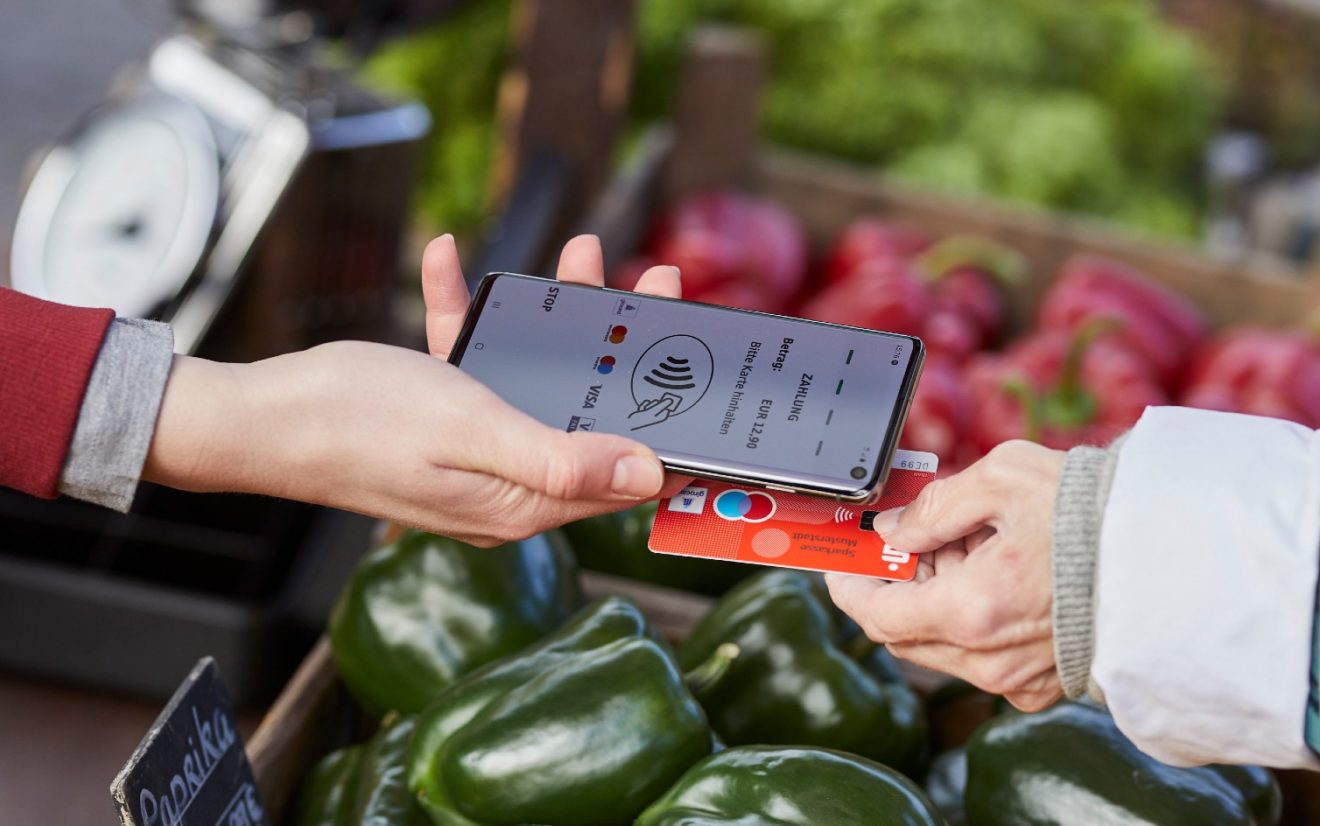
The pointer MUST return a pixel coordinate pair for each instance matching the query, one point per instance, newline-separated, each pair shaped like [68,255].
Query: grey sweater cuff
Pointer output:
[118,413]
[1078,512]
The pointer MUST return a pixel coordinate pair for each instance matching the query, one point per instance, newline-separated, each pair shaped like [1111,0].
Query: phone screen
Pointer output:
[773,399]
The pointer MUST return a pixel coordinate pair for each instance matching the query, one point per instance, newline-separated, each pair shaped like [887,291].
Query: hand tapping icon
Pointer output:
[654,411]
[670,378]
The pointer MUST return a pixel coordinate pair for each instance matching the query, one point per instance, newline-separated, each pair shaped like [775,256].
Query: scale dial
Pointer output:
[120,215]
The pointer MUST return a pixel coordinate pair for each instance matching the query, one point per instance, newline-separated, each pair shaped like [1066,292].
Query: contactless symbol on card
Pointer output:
[713,520]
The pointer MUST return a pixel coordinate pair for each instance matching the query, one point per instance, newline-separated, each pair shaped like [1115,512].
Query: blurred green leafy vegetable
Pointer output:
[454,68]
[1094,105]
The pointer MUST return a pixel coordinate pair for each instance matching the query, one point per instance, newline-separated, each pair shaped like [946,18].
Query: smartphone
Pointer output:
[732,395]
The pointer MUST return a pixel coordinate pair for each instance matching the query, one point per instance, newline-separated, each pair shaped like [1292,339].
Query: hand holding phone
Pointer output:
[719,393]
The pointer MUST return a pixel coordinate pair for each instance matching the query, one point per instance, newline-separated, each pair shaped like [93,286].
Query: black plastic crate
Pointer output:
[128,602]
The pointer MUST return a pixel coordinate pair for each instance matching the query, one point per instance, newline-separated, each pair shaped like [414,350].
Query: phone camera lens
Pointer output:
[859,472]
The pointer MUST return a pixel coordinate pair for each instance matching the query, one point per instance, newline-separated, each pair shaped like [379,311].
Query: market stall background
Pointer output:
[43,92]
[943,199]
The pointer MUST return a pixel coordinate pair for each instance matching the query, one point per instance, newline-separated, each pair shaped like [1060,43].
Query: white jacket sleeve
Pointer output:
[1205,588]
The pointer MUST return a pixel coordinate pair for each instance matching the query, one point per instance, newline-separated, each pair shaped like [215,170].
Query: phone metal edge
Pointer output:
[475,305]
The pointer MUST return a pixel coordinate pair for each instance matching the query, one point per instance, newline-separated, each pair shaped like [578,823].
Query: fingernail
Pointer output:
[677,272]
[637,477]
[886,522]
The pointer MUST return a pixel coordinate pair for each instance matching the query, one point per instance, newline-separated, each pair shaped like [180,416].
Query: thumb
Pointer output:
[947,510]
[592,466]
[445,293]
[568,466]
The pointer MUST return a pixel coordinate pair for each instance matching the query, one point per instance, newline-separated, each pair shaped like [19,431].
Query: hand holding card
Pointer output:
[714,520]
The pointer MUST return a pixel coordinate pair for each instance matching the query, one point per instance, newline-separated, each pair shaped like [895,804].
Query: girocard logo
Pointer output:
[745,506]
[691,499]
[671,376]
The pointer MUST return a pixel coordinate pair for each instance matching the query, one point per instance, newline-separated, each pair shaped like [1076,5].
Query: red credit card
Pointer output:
[714,520]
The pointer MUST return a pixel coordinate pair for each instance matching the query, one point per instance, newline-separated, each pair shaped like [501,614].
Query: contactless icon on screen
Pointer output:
[744,506]
[671,376]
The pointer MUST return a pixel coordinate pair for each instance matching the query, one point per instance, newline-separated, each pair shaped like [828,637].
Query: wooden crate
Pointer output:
[720,84]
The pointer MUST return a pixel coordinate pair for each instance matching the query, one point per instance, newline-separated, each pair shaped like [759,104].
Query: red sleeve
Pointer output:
[46,355]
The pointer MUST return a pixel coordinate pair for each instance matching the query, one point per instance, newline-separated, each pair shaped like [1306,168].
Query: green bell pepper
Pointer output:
[1048,768]
[365,784]
[327,796]
[946,782]
[791,786]
[424,610]
[382,797]
[1259,788]
[908,745]
[584,728]
[793,684]
[615,543]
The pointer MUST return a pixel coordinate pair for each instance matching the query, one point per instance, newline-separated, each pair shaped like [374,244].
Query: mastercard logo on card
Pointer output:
[745,506]
[713,520]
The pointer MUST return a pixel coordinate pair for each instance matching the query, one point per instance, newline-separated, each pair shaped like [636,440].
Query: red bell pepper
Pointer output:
[741,295]
[968,275]
[1258,371]
[868,238]
[726,294]
[882,294]
[626,275]
[1061,389]
[721,239]
[1162,327]
[940,414]
[951,334]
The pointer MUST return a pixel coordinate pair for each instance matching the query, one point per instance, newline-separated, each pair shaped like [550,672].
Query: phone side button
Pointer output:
[779,488]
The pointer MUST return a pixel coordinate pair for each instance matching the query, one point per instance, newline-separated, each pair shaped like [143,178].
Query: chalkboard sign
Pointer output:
[191,769]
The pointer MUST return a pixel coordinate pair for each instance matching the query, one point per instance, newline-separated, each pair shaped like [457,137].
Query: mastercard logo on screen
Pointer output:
[713,520]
